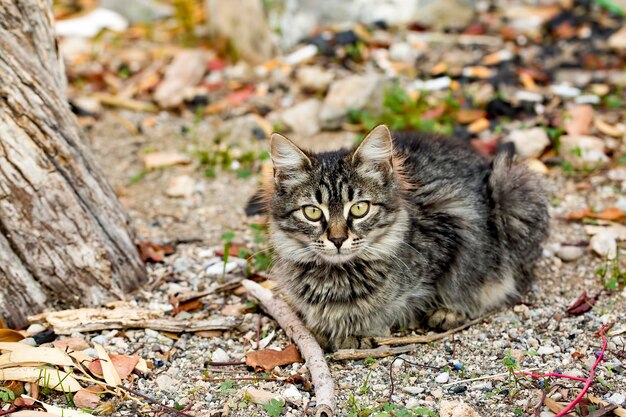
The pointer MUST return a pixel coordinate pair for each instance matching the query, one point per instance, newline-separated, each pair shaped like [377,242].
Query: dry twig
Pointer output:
[405,340]
[308,346]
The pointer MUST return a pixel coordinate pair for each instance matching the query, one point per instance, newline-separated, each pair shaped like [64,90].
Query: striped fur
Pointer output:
[448,235]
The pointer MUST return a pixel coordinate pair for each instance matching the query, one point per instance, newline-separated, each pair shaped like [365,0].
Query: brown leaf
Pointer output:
[8,335]
[467,116]
[268,359]
[86,399]
[124,364]
[611,214]
[151,252]
[578,120]
[23,402]
[72,344]
[582,304]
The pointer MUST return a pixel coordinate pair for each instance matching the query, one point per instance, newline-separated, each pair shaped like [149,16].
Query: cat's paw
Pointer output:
[444,319]
[355,342]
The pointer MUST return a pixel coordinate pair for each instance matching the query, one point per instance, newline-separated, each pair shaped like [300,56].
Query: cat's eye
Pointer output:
[312,213]
[360,209]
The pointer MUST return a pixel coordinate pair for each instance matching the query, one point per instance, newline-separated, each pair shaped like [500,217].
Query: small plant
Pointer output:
[611,275]
[226,387]
[365,387]
[227,238]
[6,395]
[274,407]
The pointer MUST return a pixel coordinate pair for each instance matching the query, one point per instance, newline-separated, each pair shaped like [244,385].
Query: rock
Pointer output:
[355,92]
[86,106]
[529,96]
[570,253]
[244,25]
[446,14]
[219,355]
[155,160]
[90,24]
[139,10]
[442,378]
[546,350]
[413,390]
[435,84]
[618,39]
[185,71]
[167,383]
[34,329]
[565,90]
[303,118]
[583,152]
[71,343]
[181,186]
[578,120]
[292,394]
[456,409]
[403,52]
[217,269]
[301,55]
[617,399]
[314,78]
[529,143]
[604,244]
[29,341]
[259,396]
[537,166]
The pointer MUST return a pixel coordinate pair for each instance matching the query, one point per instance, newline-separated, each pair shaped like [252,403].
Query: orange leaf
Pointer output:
[467,116]
[268,359]
[124,364]
[8,335]
[610,214]
[86,399]
[151,252]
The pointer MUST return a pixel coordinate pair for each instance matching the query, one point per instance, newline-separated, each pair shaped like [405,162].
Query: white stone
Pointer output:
[219,355]
[355,92]
[587,99]
[34,329]
[90,24]
[167,383]
[546,350]
[292,394]
[530,96]
[181,186]
[617,399]
[314,78]
[570,253]
[435,84]
[259,396]
[565,90]
[529,143]
[604,244]
[583,152]
[618,39]
[303,118]
[217,269]
[413,390]
[442,378]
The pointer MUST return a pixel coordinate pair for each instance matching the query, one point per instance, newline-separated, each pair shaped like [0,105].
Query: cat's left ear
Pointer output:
[376,150]
[288,159]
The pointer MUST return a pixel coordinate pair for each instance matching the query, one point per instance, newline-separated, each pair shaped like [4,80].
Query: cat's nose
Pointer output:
[338,240]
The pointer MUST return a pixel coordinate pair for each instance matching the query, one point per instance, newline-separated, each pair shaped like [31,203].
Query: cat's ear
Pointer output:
[286,156]
[376,150]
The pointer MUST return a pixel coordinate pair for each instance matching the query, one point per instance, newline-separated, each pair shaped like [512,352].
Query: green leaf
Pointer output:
[274,407]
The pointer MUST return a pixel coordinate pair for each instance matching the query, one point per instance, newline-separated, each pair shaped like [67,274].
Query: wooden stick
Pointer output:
[308,346]
[379,352]
[405,340]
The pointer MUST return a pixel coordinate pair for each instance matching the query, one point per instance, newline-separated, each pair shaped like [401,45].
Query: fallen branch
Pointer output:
[123,316]
[308,346]
[405,340]
[619,411]
[379,352]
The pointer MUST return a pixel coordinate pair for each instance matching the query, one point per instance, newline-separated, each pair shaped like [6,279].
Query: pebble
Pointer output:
[617,399]
[413,390]
[355,92]
[259,396]
[570,253]
[292,394]
[604,244]
[181,186]
[583,152]
[167,383]
[29,341]
[442,378]
[99,339]
[529,96]
[435,84]
[219,355]
[314,78]
[217,269]
[565,90]
[546,350]
[34,329]
[529,143]
[482,386]
[618,39]
[303,118]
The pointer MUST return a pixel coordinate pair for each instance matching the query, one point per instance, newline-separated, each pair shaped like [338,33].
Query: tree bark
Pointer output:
[64,238]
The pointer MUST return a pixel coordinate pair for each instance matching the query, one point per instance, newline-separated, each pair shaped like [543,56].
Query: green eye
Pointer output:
[312,213]
[360,209]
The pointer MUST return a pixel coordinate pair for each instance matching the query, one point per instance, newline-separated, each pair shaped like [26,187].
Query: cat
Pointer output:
[400,232]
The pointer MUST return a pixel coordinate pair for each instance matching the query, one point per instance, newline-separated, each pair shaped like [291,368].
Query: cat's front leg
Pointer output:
[446,319]
[362,341]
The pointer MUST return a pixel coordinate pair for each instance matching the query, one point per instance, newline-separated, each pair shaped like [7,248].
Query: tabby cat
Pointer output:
[401,232]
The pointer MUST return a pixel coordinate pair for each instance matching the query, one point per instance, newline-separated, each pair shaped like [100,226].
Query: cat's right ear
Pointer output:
[286,156]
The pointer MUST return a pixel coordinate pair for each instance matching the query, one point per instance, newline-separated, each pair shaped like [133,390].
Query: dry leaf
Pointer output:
[467,116]
[8,335]
[582,304]
[21,402]
[578,120]
[71,343]
[46,377]
[108,370]
[268,359]
[33,355]
[32,413]
[611,214]
[151,252]
[164,159]
[86,399]
[124,364]
[58,411]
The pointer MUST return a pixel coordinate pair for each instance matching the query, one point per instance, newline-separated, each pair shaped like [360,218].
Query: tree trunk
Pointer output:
[64,238]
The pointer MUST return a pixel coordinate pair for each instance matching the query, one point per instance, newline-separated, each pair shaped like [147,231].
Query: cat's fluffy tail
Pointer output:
[520,215]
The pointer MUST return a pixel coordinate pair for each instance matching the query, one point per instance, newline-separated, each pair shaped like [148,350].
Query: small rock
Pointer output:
[29,341]
[167,383]
[219,355]
[438,393]
[217,269]
[292,394]
[34,329]
[618,39]
[355,92]
[186,70]
[456,409]
[565,90]
[181,186]
[164,159]
[303,118]
[617,399]
[446,14]
[442,378]
[413,390]
[139,10]
[90,24]
[570,253]
[529,143]
[435,84]
[529,96]
[100,339]
[523,310]
[537,166]
[314,78]
[259,396]
[604,244]
[583,152]
[578,120]
[546,414]
[482,386]
[412,403]
[546,350]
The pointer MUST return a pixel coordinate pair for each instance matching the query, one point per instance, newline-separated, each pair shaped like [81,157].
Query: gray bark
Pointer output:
[64,238]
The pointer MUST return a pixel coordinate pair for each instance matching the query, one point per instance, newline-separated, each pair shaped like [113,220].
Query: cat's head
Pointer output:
[334,207]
